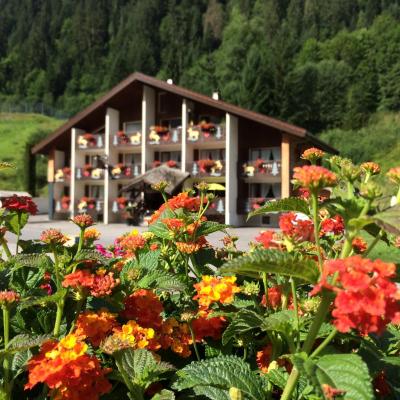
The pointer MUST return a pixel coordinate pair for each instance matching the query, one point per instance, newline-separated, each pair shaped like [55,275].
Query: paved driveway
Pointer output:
[109,232]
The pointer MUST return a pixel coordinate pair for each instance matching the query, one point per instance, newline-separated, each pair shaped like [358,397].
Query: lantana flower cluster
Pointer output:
[366,298]
[66,368]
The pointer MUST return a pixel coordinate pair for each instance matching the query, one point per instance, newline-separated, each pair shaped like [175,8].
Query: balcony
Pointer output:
[169,163]
[88,172]
[132,139]
[260,170]
[125,171]
[206,168]
[63,205]
[217,207]
[251,203]
[162,135]
[89,141]
[90,205]
[62,175]
[206,133]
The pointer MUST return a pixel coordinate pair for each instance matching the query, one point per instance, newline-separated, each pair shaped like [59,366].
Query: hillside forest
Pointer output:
[318,63]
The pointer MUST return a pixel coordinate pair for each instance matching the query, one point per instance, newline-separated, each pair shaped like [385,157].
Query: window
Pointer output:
[133,126]
[95,191]
[265,190]
[212,154]
[265,153]
[162,103]
[129,158]
[172,122]
[170,155]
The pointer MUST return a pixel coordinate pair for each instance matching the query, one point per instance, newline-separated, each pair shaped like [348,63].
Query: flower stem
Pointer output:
[398,196]
[373,243]
[5,248]
[309,342]
[326,341]
[59,315]
[265,284]
[296,310]
[314,199]
[194,341]
[6,362]
[18,233]
[81,240]
[78,310]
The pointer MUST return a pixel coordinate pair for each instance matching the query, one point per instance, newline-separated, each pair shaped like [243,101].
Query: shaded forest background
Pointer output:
[318,63]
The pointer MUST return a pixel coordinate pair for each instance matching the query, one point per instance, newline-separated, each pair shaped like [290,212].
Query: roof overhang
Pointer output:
[103,102]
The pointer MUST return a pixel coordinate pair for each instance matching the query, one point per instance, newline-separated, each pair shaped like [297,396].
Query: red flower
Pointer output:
[312,154]
[52,236]
[371,168]
[366,299]
[144,307]
[296,228]
[8,297]
[274,297]
[205,326]
[313,177]
[264,358]
[83,221]
[333,225]
[174,224]
[266,238]
[20,204]
[359,245]
[330,392]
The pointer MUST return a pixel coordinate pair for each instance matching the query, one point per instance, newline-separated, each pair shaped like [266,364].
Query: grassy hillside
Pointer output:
[16,130]
[378,141]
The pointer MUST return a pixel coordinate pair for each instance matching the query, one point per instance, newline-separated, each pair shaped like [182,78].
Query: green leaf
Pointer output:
[278,377]
[149,260]
[42,301]
[346,372]
[290,204]
[214,377]
[209,227]
[281,321]
[24,342]
[161,281]
[244,321]
[16,221]
[139,369]
[90,255]
[164,395]
[273,262]
[389,220]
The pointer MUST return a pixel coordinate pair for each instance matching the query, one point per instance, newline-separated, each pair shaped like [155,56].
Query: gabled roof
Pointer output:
[187,94]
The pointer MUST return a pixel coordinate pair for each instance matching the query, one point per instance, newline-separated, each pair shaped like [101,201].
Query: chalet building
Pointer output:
[144,122]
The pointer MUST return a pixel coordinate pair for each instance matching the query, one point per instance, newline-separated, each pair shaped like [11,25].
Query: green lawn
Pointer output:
[15,131]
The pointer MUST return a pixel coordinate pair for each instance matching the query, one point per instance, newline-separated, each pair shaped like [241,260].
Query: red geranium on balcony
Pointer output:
[90,202]
[123,138]
[91,139]
[171,164]
[65,202]
[67,172]
[87,170]
[207,128]
[155,163]
[122,202]
[259,165]
[206,165]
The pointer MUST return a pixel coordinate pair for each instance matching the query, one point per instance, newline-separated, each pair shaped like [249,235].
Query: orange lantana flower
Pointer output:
[68,371]
[213,289]
[95,326]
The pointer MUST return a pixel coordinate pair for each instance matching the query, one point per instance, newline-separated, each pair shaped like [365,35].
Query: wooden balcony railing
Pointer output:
[90,205]
[217,207]
[89,173]
[206,168]
[170,164]
[259,169]
[125,171]
[122,139]
[90,141]
[205,133]
[159,135]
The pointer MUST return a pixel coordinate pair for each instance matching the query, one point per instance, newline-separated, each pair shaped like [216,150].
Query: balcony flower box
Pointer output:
[89,140]
[122,202]
[172,164]
[123,138]
[158,134]
[210,167]
[86,203]
[121,171]
[62,174]
[208,129]
[65,202]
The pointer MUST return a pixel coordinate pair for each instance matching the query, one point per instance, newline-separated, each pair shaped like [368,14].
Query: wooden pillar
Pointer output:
[285,166]
[148,119]
[184,133]
[50,180]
